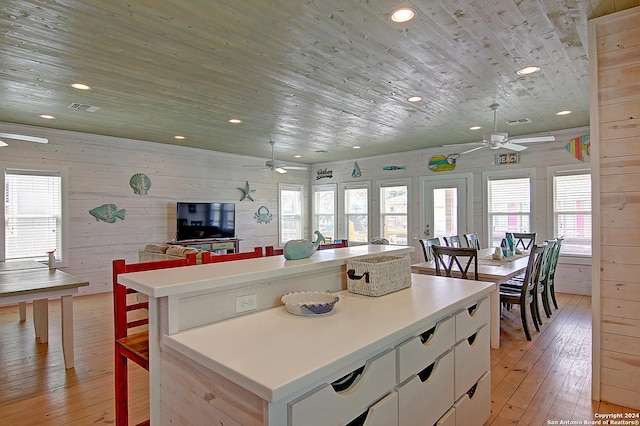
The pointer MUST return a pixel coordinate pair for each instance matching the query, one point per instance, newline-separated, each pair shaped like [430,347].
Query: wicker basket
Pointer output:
[378,275]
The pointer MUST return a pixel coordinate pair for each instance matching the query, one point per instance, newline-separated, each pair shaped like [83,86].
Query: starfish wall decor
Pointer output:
[247,192]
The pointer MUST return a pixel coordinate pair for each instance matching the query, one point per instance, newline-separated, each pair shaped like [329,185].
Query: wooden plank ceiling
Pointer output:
[318,77]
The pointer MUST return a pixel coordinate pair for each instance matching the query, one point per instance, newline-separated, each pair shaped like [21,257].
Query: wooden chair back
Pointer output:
[453,241]
[343,243]
[130,314]
[524,240]
[272,251]
[552,270]
[257,252]
[472,240]
[447,257]
[426,248]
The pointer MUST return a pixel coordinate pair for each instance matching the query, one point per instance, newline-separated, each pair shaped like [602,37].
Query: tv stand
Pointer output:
[231,245]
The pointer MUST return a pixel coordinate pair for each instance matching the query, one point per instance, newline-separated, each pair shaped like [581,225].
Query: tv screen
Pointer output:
[205,220]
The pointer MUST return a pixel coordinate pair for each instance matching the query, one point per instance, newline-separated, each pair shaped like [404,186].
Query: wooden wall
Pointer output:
[99,169]
[615,119]
[572,276]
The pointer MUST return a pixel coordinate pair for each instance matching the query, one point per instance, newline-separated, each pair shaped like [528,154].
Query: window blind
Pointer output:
[33,213]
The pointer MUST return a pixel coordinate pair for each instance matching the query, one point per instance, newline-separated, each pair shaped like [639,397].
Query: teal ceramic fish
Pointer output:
[107,213]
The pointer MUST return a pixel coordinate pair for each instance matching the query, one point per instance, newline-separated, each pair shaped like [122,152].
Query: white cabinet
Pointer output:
[474,406]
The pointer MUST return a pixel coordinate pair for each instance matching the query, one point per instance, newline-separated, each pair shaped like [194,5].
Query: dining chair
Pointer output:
[257,252]
[447,257]
[472,240]
[552,271]
[130,315]
[524,240]
[342,243]
[272,251]
[426,248]
[522,292]
[453,241]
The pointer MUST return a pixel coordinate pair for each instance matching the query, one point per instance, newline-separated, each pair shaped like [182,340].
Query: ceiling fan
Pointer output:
[25,138]
[279,166]
[497,140]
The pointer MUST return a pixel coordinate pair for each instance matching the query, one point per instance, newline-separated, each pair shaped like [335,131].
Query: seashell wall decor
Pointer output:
[140,183]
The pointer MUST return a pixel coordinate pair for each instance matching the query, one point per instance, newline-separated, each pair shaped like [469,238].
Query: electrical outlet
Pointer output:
[246,303]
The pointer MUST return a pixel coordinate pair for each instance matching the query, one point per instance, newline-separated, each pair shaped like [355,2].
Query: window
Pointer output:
[508,205]
[572,210]
[356,213]
[33,214]
[324,211]
[291,226]
[394,200]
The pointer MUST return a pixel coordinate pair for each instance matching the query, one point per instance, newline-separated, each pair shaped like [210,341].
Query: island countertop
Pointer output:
[224,275]
[276,355]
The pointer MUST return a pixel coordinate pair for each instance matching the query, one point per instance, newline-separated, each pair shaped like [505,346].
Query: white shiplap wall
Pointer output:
[572,276]
[99,169]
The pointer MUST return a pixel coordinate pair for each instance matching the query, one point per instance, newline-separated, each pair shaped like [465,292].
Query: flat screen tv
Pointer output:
[205,220]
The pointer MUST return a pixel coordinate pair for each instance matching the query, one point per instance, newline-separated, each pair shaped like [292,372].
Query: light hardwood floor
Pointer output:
[532,382]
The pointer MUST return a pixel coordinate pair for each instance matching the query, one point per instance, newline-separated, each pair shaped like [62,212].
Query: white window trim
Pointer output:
[322,188]
[378,214]
[343,227]
[508,174]
[63,256]
[551,171]
[291,187]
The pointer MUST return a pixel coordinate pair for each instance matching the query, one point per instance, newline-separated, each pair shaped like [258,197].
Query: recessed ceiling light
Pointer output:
[475,127]
[356,147]
[297,156]
[180,137]
[47,116]
[235,121]
[415,99]
[80,86]
[528,70]
[403,14]
[563,112]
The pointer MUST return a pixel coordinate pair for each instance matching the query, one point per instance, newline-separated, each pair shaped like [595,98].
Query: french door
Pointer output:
[446,205]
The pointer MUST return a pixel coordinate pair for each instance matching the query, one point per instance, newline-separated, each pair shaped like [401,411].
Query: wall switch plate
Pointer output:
[246,303]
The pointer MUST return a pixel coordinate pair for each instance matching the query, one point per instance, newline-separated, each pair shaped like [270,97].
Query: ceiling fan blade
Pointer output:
[534,139]
[24,138]
[471,150]
[294,168]
[456,145]
[513,146]
[2,143]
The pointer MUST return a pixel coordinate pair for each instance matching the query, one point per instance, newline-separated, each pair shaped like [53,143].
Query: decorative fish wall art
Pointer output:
[140,183]
[107,213]
[394,168]
[440,163]
[580,147]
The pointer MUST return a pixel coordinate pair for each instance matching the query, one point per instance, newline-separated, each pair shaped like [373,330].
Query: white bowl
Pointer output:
[309,302]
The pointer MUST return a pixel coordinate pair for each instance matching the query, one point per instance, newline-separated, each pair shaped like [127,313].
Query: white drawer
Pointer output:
[472,318]
[476,409]
[428,395]
[325,406]
[420,351]
[382,413]
[472,359]
[449,418]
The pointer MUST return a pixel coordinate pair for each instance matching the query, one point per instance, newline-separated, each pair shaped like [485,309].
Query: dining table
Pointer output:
[25,280]
[492,270]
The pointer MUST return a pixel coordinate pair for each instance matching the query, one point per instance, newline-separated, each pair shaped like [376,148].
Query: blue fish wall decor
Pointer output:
[107,213]
[394,168]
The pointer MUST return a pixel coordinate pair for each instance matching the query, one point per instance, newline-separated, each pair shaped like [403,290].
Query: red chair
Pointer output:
[271,251]
[257,252]
[131,312]
[343,243]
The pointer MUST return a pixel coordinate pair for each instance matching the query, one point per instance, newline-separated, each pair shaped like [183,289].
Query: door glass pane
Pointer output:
[445,212]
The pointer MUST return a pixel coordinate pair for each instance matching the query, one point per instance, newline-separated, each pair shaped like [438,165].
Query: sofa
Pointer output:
[155,252]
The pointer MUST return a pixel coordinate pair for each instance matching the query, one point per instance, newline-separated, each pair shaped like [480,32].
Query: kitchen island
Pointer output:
[414,356]
[183,298]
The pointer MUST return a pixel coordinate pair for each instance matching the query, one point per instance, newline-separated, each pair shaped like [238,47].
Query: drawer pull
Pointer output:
[472,391]
[359,421]
[424,337]
[426,373]
[472,309]
[471,339]
[344,382]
